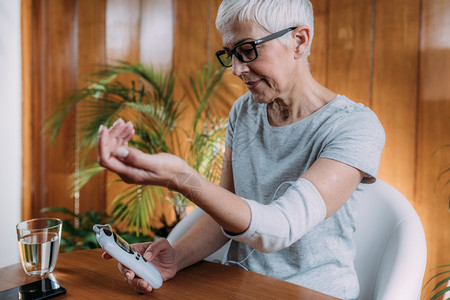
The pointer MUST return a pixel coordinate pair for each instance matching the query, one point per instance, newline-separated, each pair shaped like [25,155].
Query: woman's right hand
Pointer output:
[160,254]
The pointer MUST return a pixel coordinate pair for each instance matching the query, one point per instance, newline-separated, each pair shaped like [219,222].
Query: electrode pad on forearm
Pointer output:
[279,224]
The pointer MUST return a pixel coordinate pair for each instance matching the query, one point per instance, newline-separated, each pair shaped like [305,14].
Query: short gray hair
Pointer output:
[272,15]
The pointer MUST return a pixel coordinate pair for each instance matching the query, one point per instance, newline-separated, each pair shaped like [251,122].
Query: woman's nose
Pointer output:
[238,67]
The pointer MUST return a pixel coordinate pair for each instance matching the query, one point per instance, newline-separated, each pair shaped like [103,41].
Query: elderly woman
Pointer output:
[295,155]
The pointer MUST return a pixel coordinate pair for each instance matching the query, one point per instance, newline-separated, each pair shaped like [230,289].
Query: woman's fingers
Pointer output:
[105,147]
[117,127]
[135,166]
[157,248]
[122,131]
[110,140]
[140,285]
[127,132]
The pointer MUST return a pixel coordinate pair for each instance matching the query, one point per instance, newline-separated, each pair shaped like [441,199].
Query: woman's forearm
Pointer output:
[231,212]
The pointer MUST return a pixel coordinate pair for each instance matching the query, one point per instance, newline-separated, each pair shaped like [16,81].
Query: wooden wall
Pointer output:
[393,56]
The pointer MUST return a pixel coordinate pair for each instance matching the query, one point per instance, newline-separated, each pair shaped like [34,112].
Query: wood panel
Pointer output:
[318,59]
[122,44]
[349,49]
[215,37]
[190,45]
[27,104]
[156,50]
[395,92]
[91,54]
[36,45]
[195,42]
[122,30]
[433,132]
[62,55]
[156,34]
[40,182]
[52,55]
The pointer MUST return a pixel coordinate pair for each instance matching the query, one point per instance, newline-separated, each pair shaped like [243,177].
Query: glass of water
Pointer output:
[39,244]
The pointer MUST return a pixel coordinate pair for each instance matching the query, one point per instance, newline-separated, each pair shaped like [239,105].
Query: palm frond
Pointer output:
[208,79]
[83,176]
[139,94]
[439,288]
[136,205]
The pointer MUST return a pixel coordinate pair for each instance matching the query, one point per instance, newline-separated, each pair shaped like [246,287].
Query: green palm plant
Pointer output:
[147,100]
[441,287]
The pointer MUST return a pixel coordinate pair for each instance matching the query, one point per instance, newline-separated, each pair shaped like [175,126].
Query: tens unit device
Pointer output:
[126,255]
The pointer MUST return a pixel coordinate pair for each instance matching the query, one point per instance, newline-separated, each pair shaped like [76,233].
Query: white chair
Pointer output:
[390,244]
[185,224]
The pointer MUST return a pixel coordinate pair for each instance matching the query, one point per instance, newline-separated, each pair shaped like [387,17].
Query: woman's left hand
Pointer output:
[160,253]
[135,166]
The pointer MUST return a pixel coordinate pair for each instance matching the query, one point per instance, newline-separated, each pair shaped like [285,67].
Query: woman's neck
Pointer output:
[306,97]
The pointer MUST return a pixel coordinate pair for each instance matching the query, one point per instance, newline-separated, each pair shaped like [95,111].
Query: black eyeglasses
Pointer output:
[246,52]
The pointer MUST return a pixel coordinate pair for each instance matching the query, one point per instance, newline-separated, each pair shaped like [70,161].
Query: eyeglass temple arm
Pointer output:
[274,35]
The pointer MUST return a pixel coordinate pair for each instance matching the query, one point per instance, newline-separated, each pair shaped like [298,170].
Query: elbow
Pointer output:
[269,243]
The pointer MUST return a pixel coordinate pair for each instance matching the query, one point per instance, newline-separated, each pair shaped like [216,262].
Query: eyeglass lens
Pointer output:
[245,53]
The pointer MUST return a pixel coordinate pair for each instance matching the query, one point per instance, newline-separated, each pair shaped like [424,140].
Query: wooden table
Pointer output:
[85,275]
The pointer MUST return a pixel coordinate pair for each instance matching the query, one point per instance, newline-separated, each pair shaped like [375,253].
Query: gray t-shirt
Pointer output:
[266,157]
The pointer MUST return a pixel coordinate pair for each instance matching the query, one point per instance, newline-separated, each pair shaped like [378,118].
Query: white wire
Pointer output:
[240,263]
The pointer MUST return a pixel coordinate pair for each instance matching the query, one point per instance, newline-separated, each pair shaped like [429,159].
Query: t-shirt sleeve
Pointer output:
[357,140]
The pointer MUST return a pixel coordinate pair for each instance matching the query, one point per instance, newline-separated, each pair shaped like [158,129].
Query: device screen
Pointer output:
[119,241]
[41,289]
[123,244]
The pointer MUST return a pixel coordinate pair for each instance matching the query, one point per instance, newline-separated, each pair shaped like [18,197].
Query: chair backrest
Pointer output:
[185,224]
[390,245]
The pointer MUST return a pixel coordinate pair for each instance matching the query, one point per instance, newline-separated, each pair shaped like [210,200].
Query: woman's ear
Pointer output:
[301,39]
